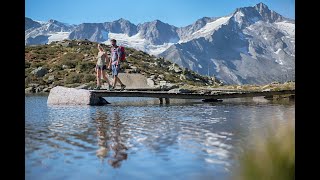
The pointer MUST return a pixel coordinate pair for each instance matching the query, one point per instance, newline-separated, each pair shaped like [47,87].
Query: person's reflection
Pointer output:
[109,139]
[102,123]
[119,149]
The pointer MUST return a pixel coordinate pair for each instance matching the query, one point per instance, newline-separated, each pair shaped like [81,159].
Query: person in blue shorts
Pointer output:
[115,64]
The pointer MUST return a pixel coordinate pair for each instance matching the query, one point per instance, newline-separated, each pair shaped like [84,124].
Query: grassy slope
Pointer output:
[74,65]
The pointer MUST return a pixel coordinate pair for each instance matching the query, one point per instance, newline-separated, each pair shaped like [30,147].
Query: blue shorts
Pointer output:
[104,67]
[115,69]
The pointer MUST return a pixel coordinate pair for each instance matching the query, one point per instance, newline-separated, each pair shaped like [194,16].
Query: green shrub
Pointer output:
[57,67]
[37,64]
[85,66]
[74,78]
[171,78]
[70,63]
[124,65]
[88,77]
[72,57]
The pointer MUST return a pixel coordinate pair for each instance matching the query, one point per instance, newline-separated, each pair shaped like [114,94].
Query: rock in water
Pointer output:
[70,96]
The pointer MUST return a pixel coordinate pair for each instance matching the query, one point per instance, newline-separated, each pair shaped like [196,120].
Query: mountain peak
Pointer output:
[121,20]
[52,21]
[157,21]
[248,15]
[261,8]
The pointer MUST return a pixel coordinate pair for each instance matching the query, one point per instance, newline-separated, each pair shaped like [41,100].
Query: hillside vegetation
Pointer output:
[71,63]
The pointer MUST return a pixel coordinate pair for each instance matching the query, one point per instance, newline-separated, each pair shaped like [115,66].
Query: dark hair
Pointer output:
[113,40]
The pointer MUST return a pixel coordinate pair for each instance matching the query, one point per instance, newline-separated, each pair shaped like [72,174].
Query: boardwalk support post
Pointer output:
[167,100]
[161,100]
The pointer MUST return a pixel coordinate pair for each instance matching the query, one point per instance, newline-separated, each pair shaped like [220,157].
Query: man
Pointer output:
[115,64]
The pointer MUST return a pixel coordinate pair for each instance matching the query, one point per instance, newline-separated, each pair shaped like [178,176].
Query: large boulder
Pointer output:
[70,96]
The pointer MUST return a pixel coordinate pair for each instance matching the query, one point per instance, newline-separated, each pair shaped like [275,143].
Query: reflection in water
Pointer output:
[109,138]
[117,146]
[102,135]
[198,140]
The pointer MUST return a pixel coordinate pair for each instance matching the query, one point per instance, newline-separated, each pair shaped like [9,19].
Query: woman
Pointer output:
[101,67]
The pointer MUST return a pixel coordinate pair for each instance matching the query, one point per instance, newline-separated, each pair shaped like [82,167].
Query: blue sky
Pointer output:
[175,12]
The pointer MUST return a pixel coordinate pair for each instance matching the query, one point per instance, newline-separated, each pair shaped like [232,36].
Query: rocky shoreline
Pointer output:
[175,88]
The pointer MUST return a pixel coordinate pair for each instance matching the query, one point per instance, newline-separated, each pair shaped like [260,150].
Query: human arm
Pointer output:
[119,55]
[109,64]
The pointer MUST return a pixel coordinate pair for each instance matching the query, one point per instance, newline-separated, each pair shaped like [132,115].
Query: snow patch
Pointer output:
[192,55]
[238,17]
[265,37]
[287,27]
[137,42]
[217,65]
[279,61]
[41,22]
[277,52]
[157,49]
[58,36]
[199,65]
[209,28]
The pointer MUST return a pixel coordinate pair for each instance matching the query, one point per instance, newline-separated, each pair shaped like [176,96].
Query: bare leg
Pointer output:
[98,77]
[105,77]
[115,78]
[118,79]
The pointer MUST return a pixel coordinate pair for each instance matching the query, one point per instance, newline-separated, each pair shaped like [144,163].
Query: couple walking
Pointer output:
[114,64]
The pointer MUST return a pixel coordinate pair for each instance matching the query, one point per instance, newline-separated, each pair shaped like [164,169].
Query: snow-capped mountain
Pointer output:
[254,45]
[45,32]
[251,45]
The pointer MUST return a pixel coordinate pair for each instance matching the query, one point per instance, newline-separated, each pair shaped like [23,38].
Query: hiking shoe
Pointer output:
[97,88]
[110,88]
[122,87]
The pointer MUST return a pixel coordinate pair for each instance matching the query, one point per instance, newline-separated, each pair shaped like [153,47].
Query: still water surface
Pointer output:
[136,138]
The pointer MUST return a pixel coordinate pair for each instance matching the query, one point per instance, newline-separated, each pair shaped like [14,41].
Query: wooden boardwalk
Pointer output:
[60,95]
[214,95]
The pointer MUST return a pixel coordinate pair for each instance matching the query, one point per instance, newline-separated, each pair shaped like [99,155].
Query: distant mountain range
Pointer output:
[253,45]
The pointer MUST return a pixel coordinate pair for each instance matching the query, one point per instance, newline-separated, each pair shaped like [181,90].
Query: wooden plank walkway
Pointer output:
[72,96]
[165,94]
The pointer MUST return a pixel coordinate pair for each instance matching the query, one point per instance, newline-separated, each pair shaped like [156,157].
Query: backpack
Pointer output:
[123,53]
